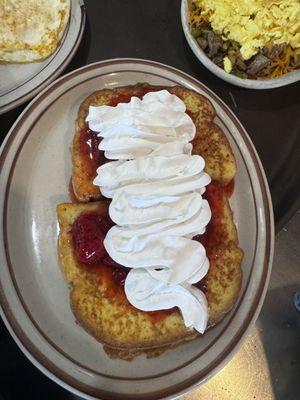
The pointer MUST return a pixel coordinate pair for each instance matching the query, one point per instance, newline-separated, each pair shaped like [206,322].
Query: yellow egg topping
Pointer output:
[254,23]
[227,64]
[30,30]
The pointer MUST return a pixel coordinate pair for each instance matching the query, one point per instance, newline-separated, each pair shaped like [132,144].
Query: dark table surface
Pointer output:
[152,30]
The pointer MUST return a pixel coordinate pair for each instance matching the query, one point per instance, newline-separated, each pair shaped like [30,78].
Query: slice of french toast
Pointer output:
[97,299]
[209,141]
[99,302]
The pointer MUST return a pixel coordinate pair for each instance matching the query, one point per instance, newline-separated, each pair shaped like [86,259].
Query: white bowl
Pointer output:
[206,61]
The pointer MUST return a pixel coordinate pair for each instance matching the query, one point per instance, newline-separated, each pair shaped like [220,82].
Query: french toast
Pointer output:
[210,142]
[98,299]
[101,307]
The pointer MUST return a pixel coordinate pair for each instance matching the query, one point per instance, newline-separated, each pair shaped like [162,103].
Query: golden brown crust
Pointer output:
[128,355]
[211,143]
[223,280]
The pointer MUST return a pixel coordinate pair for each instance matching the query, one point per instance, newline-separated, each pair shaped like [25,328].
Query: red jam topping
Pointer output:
[122,98]
[88,233]
[214,233]
[229,188]
[202,238]
[119,274]
[107,260]
[125,98]
[89,230]
[89,145]
[89,142]
[105,223]
[88,238]
[156,316]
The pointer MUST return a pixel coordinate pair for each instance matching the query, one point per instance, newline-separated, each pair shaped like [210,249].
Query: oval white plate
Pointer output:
[36,168]
[284,80]
[21,82]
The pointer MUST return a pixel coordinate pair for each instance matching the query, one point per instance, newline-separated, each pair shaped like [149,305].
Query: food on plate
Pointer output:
[154,261]
[31,30]
[255,39]
[210,141]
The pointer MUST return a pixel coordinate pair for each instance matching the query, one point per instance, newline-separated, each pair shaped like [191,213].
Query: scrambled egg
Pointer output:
[254,23]
[227,65]
[31,30]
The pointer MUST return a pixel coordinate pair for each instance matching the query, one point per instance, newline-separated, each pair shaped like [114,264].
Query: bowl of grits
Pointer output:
[249,43]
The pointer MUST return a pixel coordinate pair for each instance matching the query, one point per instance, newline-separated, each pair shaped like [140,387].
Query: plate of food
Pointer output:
[134,265]
[37,41]
[253,44]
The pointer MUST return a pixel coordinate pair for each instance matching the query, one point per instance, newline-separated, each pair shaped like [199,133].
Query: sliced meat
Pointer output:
[202,42]
[276,51]
[214,43]
[257,64]
[205,26]
[218,59]
[240,64]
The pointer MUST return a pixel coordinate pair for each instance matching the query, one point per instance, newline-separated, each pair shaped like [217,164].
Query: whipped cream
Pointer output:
[156,187]
[154,125]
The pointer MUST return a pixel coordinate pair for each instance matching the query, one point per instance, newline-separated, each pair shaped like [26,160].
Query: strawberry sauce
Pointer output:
[88,237]
[88,233]
[214,233]
[88,146]
[125,98]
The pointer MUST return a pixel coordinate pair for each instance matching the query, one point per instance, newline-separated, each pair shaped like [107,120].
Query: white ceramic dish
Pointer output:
[21,82]
[36,169]
[246,83]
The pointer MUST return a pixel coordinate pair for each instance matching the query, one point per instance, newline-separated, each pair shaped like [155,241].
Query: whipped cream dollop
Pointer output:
[157,124]
[156,187]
